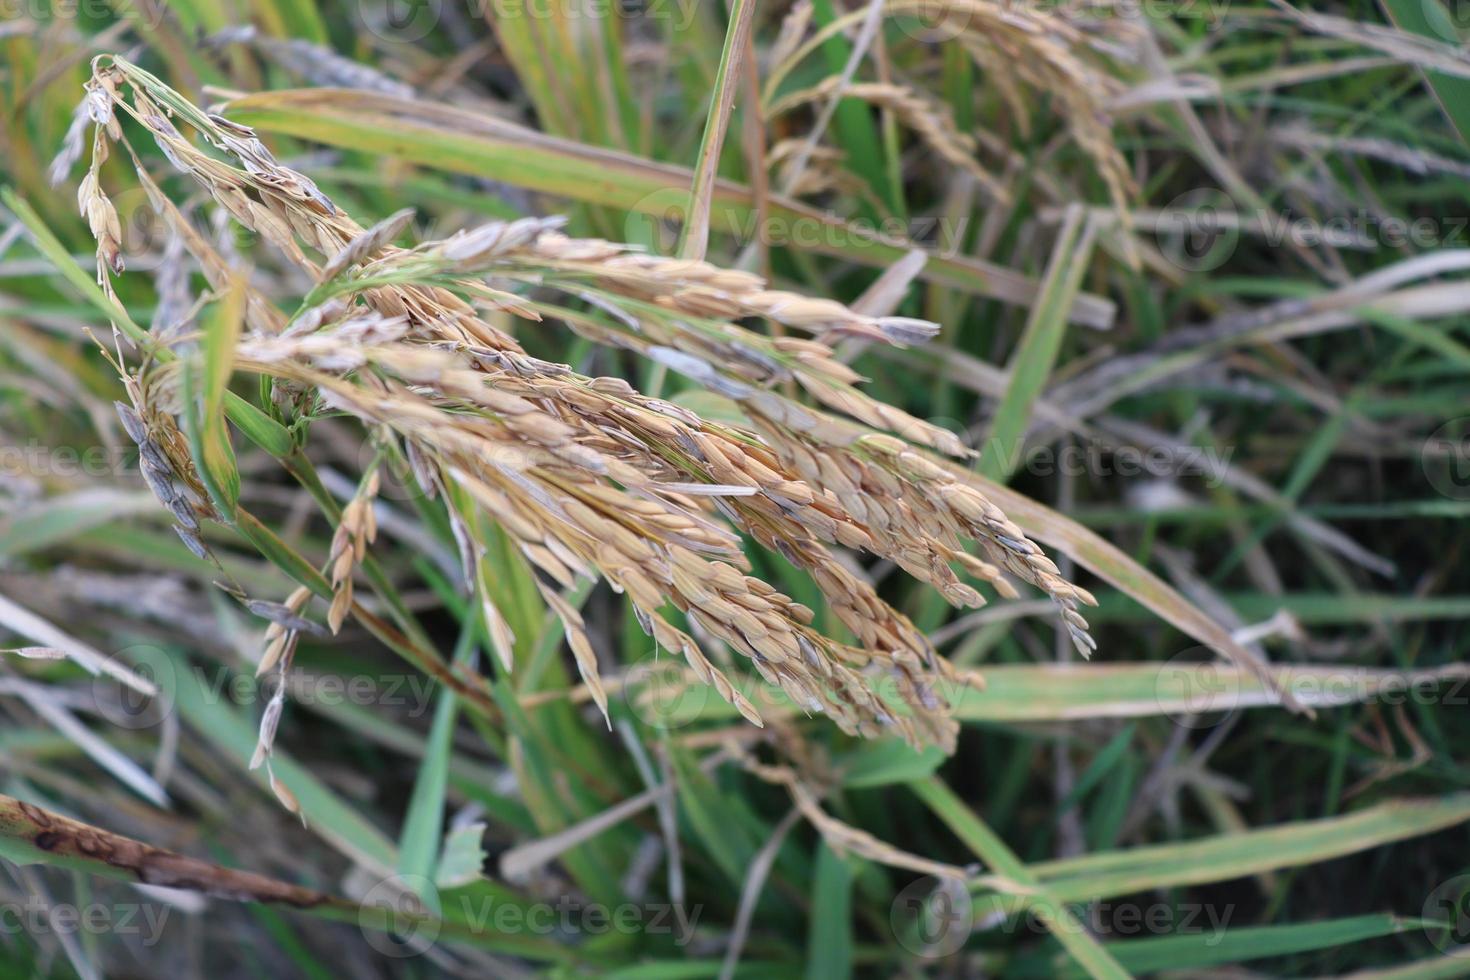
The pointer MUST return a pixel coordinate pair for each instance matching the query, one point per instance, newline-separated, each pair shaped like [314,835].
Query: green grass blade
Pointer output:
[695,233]
[829,948]
[1000,859]
[1035,355]
[205,381]
[422,835]
[1428,18]
[1222,858]
[1238,945]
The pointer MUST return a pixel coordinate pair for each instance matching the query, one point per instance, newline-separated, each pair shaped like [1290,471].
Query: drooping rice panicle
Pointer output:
[588,476]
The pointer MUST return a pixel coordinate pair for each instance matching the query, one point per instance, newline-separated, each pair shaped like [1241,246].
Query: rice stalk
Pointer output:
[589,477]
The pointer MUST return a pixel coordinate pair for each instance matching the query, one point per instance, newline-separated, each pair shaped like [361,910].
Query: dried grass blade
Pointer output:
[26,623]
[1125,574]
[124,769]
[30,834]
